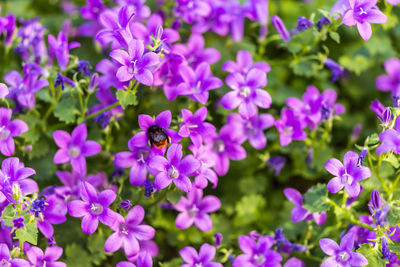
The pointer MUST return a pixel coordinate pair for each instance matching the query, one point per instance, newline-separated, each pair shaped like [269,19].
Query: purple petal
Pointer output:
[357,259]
[124,159]
[137,174]
[163,119]
[203,222]
[79,164]
[77,208]
[231,100]
[293,196]
[113,243]
[89,224]
[61,156]
[347,242]
[299,214]
[17,127]
[106,197]
[365,30]
[183,183]
[62,138]
[333,166]
[247,244]
[189,255]
[207,253]
[183,221]
[188,165]
[209,204]
[353,190]
[145,121]
[144,232]
[335,185]
[135,215]
[328,246]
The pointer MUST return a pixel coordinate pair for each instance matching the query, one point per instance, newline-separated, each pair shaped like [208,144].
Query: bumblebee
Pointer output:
[157,137]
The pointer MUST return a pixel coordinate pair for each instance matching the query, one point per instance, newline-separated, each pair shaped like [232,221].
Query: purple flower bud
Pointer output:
[62,80]
[387,116]
[94,82]
[126,204]
[277,163]
[231,258]
[83,66]
[323,21]
[378,108]
[51,241]
[176,24]
[280,27]
[356,132]
[396,101]
[149,188]
[28,148]
[18,222]
[386,253]
[336,69]
[103,119]
[362,157]
[254,235]
[217,239]
[376,200]
[303,24]
[38,206]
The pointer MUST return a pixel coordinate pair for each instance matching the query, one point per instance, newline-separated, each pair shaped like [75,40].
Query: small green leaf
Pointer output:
[393,160]
[8,215]
[29,233]
[174,196]
[395,247]
[77,256]
[65,109]
[373,139]
[373,256]
[335,36]
[126,98]
[315,199]
[96,247]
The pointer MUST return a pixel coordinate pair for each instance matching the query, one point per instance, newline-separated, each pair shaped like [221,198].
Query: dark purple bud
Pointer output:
[323,21]
[231,258]
[103,119]
[126,204]
[94,82]
[118,171]
[62,80]
[387,116]
[167,206]
[277,163]
[38,206]
[310,156]
[378,108]
[217,239]
[337,70]
[386,253]
[356,132]
[176,24]
[18,222]
[298,247]
[280,27]
[254,235]
[149,188]
[362,157]
[83,66]
[303,24]
[51,241]
[396,101]
[376,200]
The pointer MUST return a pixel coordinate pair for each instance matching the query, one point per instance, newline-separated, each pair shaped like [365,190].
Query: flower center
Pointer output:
[4,133]
[142,155]
[197,88]
[219,146]
[132,66]
[250,129]
[288,130]
[245,91]
[5,263]
[347,178]
[198,265]
[173,172]
[259,259]
[343,256]
[362,11]
[74,151]
[193,211]
[123,229]
[96,209]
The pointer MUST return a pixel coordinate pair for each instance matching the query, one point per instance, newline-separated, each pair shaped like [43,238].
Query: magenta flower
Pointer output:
[289,127]
[203,258]
[257,253]
[59,48]
[193,126]
[54,212]
[136,64]
[341,255]
[244,63]
[362,13]
[280,27]
[247,93]
[192,10]
[3,90]
[74,148]
[298,212]
[204,173]
[194,209]
[128,232]
[155,131]
[93,208]
[390,139]
[347,175]
[196,83]
[391,80]
[8,130]
[174,169]
[8,261]
[48,258]
[14,172]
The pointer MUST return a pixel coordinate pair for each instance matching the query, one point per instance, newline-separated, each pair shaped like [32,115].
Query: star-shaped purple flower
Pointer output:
[204,173]
[203,258]
[362,13]
[244,63]
[341,255]
[8,130]
[74,148]
[194,209]
[48,258]
[59,48]
[391,80]
[347,175]
[247,93]
[174,168]
[128,232]
[289,127]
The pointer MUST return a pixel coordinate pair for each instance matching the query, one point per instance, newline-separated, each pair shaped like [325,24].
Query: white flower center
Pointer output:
[347,178]
[96,209]
[193,211]
[343,256]
[219,146]
[245,91]
[362,11]
[259,259]
[123,229]
[173,172]
[74,151]
[4,133]
[288,130]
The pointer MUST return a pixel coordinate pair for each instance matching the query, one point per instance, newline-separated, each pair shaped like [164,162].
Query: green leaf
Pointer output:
[39,149]
[8,215]
[393,160]
[65,109]
[335,36]
[33,121]
[126,98]
[29,233]
[356,64]
[304,68]
[249,209]
[174,196]
[373,256]
[315,199]
[96,247]
[373,139]
[395,247]
[44,96]
[77,256]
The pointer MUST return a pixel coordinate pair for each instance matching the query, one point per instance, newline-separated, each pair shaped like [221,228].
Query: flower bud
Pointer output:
[280,27]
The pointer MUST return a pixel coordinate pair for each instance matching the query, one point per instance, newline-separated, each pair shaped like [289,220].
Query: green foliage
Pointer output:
[65,110]
[249,208]
[372,254]
[126,98]
[8,215]
[77,256]
[315,199]
[29,233]
[96,248]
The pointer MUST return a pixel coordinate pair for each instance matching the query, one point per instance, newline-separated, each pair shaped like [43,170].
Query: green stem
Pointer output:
[99,112]
[396,181]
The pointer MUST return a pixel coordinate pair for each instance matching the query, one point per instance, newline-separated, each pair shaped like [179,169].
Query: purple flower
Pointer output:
[141,10]
[136,64]
[259,10]
[203,258]
[167,76]
[347,175]
[8,130]
[341,6]
[126,204]
[378,108]
[12,262]
[3,90]
[218,21]
[174,168]
[236,12]
[32,45]
[280,27]
[155,132]
[18,222]
[391,80]
[148,188]
[341,255]
[386,253]
[192,10]
[362,13]
[217,239]
[48,258]
[194,209]
[257,253]
[225,146]
[84,66]
[361,234]
[285,246]
[303,24]
[193,126]
[52,212]
[7,26]
[13,172]
[323,21]
[247,93]
[62,80]
[294,262]
[74,148]
[244,63]
[93,208]
[329,107]
[59,48]
[336,69]
[298,212]
[128,232]
[390,139]
[204,173]
[289,127]
[196,83]
[276,163]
